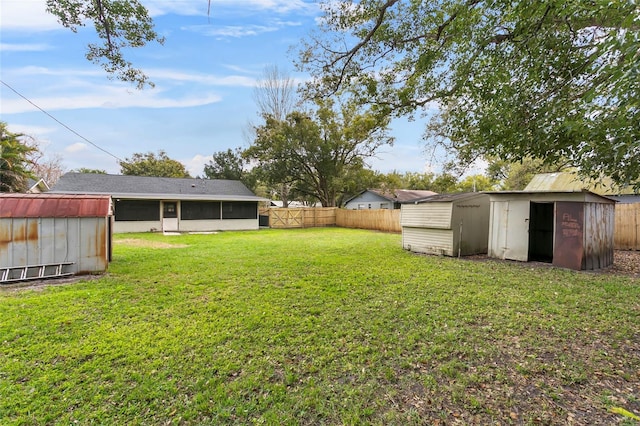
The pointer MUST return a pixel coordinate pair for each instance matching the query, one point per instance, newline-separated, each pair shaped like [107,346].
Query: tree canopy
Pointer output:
[15,161]
[150,164]
[316,152]
[552,79]
[119,24]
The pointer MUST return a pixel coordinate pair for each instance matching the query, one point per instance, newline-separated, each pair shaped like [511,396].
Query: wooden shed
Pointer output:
[53,235]
[446,224]
[572,230]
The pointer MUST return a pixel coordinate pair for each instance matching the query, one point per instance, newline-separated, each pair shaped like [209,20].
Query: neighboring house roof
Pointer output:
[54,205]
[37,186]
[144,187]
[396,195]
[565,181]
[447,198]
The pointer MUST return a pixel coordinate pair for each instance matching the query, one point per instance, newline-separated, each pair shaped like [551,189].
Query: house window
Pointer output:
[137,210]
[198,210]
[384,205]
[361,206]
[239,210]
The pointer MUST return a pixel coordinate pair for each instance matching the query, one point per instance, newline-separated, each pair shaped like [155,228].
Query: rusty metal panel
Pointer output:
[82,241]
[568,249]
[54,205]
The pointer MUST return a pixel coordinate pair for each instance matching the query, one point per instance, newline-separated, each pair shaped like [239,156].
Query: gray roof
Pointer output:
[395,195]
[447,198]
[145,187]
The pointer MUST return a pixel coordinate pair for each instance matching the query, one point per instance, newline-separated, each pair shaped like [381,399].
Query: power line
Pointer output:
[60,122]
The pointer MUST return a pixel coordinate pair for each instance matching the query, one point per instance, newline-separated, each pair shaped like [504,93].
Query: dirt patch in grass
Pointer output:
[625,263]
[149,244]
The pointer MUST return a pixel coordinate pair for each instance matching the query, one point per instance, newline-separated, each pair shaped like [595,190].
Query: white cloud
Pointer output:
[24,47]
[105,98]
[27,15]
[195,165]
[233,31]
[208,79]
[76,147]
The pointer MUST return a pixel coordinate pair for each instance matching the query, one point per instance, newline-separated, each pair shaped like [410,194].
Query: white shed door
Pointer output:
[509,237]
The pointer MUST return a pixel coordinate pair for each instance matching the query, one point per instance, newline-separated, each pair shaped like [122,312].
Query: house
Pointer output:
[446,224]
[383,199]
[47,235]
[572,230]
[148,204]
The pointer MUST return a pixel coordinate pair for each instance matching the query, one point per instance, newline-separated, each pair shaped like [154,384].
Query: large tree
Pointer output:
[150,164]
[120,26]
[15,160]
[318,151]
[231,164]
[550,79]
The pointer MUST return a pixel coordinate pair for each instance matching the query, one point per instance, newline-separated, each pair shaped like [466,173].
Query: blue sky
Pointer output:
[204,75]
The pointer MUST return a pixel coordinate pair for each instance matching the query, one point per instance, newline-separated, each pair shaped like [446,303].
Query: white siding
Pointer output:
[426,215]
[218,225]
[430,241]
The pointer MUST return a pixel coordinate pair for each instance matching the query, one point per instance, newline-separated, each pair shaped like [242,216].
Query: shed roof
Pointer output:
[154,187]
[447,198]
[566,181]
[582,195]
[54,205]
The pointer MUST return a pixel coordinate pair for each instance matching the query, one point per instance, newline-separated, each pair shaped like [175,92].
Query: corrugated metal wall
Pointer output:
[426,215]
[599,227]
[430,241]
[35,241]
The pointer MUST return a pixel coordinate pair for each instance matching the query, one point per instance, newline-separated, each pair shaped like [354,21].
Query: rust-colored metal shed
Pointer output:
[572,230]
[54,235]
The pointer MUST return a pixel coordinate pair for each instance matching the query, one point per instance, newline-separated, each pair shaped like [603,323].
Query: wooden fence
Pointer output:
[379,219]
[627,232]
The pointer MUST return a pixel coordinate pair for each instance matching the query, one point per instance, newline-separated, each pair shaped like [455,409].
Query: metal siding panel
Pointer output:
[598,240]
[6,236]
[475,228]
[431,241]
[427,215]
[569,248]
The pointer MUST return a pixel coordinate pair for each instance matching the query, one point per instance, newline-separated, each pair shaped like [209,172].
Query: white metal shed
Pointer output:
[446,224]
[53,235]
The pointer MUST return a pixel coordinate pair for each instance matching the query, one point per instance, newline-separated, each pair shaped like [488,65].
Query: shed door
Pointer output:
[510,230]
[169,216]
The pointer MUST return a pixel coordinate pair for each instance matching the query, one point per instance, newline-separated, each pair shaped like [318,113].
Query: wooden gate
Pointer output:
[286,218]
[627,227]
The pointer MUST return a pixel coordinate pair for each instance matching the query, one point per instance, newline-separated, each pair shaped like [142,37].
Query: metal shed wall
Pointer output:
[37,241]
[43,229]
[435,227]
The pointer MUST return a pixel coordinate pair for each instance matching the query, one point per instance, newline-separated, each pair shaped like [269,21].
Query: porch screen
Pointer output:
[195,210]
[137,210]
[240,210]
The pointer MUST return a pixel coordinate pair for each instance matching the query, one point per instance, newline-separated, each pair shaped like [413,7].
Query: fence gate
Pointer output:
[286,218]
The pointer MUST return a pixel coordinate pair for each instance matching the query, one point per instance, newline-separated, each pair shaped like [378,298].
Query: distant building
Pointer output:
[379,199]
[144,204]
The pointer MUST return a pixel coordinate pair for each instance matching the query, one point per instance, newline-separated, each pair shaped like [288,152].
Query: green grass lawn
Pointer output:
[318,326]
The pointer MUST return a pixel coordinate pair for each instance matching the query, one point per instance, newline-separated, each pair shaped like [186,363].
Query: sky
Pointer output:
[204,76]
